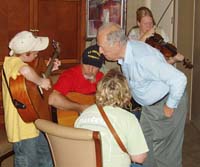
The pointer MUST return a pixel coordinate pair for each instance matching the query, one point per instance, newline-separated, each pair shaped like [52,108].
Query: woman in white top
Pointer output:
[113,94]
[146,28]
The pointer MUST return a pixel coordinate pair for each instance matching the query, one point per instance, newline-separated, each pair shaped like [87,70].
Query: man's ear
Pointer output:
[138,23]
[117,44]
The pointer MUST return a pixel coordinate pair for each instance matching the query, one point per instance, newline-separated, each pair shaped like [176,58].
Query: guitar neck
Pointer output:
[51,63]
[47,73]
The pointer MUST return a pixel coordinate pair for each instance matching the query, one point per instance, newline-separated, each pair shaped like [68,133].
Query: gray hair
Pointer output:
[116,33]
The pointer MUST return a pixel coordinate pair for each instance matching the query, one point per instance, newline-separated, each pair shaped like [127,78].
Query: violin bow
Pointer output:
[164,13]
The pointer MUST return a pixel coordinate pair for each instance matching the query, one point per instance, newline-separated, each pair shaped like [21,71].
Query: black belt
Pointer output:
[159,100]
[137,163]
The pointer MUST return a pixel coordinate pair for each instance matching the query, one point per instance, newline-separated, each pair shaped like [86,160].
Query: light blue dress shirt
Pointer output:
[149,75]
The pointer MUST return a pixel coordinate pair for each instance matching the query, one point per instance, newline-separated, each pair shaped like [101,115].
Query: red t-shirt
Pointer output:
[72,80]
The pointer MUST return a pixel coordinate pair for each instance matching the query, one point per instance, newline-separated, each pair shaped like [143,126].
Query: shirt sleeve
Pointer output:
[16,63]
[136,143]
[169,75]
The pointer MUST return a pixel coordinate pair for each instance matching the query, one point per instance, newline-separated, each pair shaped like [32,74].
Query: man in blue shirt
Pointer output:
[157,86]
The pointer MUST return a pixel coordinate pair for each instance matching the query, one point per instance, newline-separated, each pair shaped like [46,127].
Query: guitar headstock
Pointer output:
[56,54]
[56,46]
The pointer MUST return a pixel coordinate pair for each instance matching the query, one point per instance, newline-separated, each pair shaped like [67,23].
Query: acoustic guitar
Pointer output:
[68,117]
[30,100]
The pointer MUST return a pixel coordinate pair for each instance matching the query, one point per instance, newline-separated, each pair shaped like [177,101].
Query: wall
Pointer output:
[195,116]
[132,6]
[184,32]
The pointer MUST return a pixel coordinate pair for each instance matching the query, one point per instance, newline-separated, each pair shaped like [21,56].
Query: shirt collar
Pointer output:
[127,54]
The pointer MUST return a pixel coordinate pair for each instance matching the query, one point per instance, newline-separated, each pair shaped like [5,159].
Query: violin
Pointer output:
[167,49]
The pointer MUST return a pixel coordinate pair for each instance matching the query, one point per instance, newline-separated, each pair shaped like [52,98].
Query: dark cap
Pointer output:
[92,56]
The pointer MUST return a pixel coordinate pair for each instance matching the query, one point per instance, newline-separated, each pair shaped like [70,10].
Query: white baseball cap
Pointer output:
[25,41]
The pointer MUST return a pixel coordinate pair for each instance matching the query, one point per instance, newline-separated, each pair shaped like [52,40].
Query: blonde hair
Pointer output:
[144,11]
[113,90]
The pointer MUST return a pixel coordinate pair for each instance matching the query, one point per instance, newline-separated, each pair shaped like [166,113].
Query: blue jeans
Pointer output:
[33,152]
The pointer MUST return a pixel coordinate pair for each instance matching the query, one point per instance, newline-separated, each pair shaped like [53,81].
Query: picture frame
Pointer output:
[99,12]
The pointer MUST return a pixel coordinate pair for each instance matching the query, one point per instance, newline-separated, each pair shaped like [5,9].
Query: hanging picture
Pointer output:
[104,11]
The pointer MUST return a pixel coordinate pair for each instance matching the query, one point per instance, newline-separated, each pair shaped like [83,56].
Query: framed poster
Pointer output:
[99,12]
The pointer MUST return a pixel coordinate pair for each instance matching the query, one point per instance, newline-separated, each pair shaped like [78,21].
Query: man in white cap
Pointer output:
[30,145]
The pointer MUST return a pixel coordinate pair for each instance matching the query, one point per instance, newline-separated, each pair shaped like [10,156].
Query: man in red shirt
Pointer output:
[82,79]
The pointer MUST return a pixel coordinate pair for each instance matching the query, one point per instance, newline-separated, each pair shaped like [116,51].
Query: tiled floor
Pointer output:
[191,148]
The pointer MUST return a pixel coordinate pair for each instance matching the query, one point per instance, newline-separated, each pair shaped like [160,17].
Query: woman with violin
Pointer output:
[146,28]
